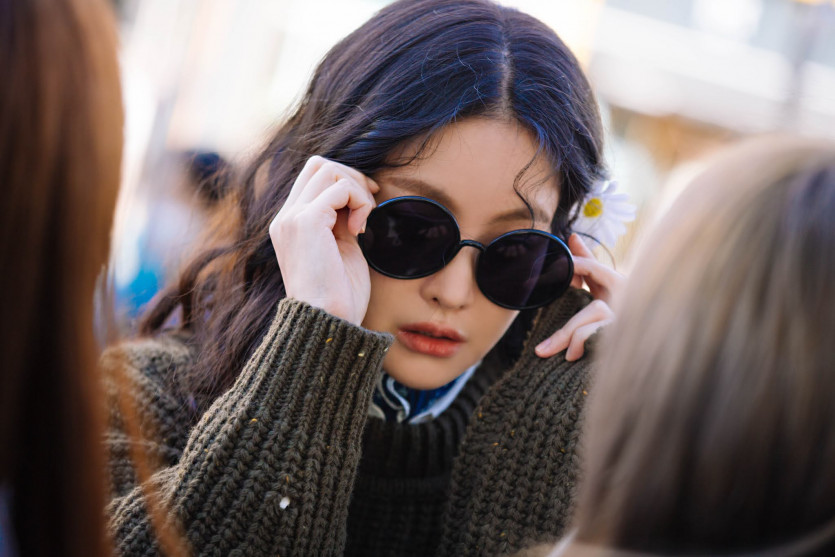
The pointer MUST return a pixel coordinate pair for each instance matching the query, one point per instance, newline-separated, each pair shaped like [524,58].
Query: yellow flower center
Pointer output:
[593,208]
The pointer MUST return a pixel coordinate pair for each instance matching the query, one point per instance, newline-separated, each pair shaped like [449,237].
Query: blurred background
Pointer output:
[206,80]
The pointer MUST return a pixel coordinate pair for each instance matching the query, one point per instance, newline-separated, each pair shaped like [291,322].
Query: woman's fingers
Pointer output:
[603,281]
[578,248]
[314,238]
[320,173]
[577,329]
[326,174]
[577,346]
[346,194]
[334,186]
[310,168]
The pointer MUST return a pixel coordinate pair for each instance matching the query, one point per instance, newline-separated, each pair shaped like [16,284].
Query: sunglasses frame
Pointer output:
[459,244]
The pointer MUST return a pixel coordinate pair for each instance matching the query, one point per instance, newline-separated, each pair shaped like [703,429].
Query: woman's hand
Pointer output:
[602,282]
[315,238]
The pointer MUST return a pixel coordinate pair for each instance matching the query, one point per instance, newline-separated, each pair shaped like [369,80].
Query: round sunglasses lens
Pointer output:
[523,270]
[408,238]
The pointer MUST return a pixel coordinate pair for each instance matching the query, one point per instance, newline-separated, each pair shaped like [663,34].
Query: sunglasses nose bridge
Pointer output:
[462,244]
[471,243]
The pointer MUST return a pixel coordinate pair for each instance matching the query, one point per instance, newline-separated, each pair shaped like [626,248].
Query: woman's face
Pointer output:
[470,169]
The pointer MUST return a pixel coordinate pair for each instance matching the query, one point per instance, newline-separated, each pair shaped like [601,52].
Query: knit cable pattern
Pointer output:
[514,483]
[269,468]
[276,463]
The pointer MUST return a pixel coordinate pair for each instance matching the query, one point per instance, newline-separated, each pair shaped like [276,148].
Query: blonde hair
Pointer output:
[711,427]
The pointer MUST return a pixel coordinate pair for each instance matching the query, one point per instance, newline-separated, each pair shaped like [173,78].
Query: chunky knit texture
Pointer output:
[287,462]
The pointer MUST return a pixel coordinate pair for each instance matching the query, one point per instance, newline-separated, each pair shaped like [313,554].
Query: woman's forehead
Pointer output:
[479,166]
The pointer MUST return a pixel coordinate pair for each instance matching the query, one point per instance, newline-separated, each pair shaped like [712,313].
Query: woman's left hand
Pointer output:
[603,282]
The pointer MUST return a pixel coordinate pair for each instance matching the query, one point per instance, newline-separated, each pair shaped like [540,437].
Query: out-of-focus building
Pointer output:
[684,77]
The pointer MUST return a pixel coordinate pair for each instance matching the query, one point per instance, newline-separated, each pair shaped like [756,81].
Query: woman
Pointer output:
[473,132]
[60,153]
[711,432]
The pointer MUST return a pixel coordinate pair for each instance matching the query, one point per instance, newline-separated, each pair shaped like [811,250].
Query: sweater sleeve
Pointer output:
[514,482]
[270,466]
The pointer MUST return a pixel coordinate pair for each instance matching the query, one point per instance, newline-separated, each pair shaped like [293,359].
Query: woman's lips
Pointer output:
[430,339]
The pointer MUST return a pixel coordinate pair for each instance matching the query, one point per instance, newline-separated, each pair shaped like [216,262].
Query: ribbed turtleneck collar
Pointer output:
[402,450]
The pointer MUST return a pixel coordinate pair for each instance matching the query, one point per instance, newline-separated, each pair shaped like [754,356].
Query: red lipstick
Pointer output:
[430,339]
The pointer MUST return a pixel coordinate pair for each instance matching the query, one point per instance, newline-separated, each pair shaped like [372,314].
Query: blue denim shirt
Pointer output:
[394,402]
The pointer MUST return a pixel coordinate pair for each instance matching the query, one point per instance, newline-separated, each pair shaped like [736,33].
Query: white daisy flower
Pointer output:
[603,213]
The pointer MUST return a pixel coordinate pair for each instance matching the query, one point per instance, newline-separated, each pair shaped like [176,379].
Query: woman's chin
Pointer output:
[420,371]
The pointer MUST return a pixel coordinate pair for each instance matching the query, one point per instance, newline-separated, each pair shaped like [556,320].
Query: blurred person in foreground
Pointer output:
[712,431]
[60,154]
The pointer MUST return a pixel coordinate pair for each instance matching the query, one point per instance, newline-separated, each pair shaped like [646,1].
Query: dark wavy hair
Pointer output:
[413,68]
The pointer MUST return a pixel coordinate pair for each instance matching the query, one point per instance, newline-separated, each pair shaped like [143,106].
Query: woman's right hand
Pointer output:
[315,238]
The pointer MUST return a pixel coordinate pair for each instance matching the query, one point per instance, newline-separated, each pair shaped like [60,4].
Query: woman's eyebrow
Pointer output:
[424,189]
[522,213]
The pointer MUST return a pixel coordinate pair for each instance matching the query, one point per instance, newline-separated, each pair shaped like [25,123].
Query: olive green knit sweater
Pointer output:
[287,462]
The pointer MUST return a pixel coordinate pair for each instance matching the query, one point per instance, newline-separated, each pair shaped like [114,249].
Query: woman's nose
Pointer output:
[454,286]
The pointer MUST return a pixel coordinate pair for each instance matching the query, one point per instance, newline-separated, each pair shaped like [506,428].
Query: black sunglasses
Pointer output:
[413,237]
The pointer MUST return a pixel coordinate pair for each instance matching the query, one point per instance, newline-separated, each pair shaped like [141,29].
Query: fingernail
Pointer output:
[543,346]
[362,229]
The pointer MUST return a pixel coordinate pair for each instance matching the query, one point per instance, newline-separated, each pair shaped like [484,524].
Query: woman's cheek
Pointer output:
[388,295]
[494,322]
